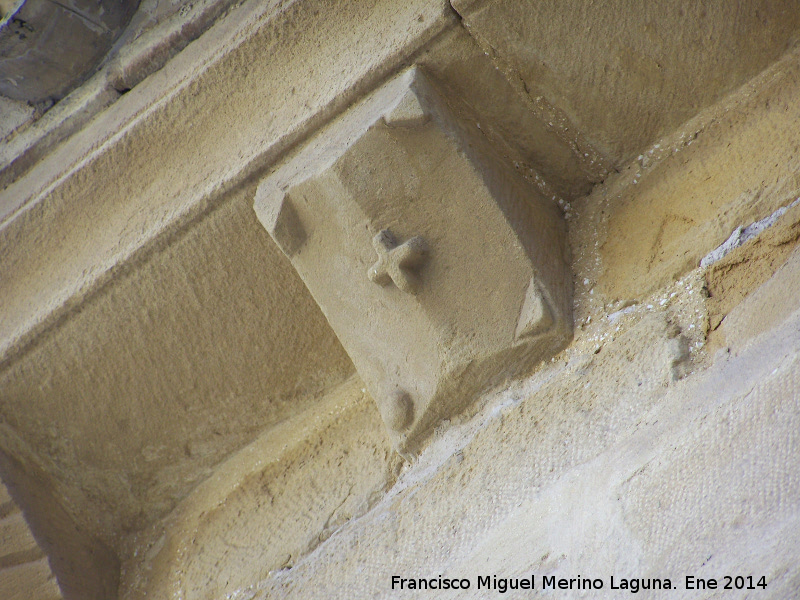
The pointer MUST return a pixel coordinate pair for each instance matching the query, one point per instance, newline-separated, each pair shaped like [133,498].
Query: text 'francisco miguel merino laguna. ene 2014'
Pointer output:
[547,582]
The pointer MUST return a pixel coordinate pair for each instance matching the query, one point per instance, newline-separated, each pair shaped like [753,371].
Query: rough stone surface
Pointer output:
[24,569]
[158,30]
[682,198]
[15,115]
[48,48]
[270,504]
[599,464]
[162,123]
[625,77]
[401,221]
[743,270]
[148,400]
[767,307]
[30,580]
[178,418]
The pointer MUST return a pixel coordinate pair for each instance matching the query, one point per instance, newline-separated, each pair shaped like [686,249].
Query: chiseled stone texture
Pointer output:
[15,114]
[140,306]
[47,48]
[438,266]
[24,571]
[598,466]
[268,505]
[625,75]
[735,163]
[133,400]
[149,327]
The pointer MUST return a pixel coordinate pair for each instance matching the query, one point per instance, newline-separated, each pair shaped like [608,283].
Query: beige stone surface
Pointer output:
[15,114]
[132,401]
[557,159]
[25,573]
[767,307]
[401,221]
[179,417]
[105,173]
[734,164]
[28,143]
[29,581]
[150,180]
[732,279]
[270,504]
[15,536]
[600,465]
[624,75]
[83,566]
[6,502]
[158,30]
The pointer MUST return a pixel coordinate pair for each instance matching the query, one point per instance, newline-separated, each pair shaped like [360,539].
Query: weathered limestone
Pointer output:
[588,468]
[735,163]
[15,114]
[83,567]
[148,400]
[157,31]
[403,222]
[269,504]
[137,468]
[24,571]
[752,277]
[181,417]
[625,75]
[47,48]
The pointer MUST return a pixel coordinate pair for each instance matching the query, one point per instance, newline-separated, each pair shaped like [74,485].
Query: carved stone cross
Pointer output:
[397,263]
[493,298]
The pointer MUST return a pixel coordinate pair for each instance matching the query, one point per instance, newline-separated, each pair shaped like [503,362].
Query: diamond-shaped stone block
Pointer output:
[440,268]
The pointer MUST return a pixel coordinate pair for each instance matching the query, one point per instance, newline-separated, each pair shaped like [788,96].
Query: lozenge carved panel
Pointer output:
[439,267]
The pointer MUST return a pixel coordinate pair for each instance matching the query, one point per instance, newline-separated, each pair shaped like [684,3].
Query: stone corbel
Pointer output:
[440,268]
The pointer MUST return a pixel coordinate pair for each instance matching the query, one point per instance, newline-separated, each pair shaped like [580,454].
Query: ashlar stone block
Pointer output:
[440,268]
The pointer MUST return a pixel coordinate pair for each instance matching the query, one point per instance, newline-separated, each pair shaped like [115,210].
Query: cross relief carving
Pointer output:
[398,263]
[491,307]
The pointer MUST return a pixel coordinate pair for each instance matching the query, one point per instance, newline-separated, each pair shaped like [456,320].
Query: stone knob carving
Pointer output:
[399,412]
